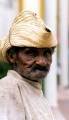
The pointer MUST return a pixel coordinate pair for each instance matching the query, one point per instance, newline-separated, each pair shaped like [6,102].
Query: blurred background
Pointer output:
[55,13]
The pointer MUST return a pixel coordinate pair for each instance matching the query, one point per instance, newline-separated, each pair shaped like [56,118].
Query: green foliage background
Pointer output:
[4,67]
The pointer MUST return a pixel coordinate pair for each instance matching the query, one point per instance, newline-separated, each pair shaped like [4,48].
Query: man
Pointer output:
[28,49]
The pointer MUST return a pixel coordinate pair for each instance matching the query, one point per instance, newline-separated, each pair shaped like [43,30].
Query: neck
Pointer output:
[34,83]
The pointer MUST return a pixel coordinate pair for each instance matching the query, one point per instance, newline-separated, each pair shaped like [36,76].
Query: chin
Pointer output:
[38,77]
[35,77]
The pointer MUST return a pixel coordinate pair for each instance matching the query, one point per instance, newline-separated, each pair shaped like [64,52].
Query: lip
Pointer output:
[43,70]
[41,73]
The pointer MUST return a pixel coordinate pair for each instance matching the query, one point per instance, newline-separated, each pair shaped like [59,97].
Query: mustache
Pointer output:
[41,68]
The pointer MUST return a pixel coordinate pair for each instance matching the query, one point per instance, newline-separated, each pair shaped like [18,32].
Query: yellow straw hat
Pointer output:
[2,41]
[29,30]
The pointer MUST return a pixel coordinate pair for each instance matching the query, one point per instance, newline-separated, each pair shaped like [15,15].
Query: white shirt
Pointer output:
[22,100]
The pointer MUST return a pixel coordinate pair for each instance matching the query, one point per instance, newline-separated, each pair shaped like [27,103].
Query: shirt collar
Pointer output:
[19,77]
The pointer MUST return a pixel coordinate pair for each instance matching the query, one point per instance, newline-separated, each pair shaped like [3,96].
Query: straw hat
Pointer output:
[29,30]
[2,41]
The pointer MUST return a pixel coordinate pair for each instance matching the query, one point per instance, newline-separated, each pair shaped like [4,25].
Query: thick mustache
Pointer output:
[41,68]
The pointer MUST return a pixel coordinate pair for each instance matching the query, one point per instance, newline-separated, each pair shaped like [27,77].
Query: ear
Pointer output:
[11,58]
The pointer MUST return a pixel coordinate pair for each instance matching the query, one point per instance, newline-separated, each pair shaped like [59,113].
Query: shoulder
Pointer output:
[10,100]
[4,84]
[7,82]
[4,87]
[7,87]
[8,91]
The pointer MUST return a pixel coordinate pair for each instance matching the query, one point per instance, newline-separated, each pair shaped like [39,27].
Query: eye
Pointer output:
[48,52]
[31,52]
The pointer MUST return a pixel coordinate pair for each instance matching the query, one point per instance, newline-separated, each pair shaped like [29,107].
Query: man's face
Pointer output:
[33,63]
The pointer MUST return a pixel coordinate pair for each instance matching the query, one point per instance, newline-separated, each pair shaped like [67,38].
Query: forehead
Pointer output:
[33,48]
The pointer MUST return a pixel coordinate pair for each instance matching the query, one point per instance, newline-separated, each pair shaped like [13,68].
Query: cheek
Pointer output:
[50,58]
[25,61]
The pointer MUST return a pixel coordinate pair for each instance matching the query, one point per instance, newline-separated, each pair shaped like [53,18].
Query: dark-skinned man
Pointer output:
[28,49]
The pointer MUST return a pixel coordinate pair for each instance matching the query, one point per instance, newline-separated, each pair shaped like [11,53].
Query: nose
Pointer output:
[42,61]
